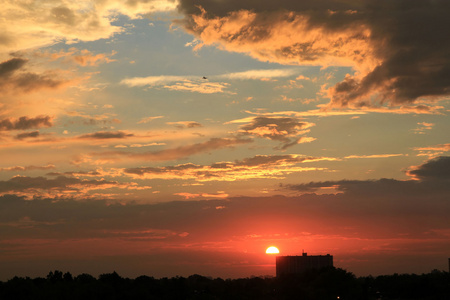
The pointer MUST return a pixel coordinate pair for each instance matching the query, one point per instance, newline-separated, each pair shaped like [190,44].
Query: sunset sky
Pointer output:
[165,137]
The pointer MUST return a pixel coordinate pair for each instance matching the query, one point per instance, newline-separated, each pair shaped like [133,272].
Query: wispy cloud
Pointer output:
[28,168]
[179,152]
[185,124]
[199,87]
[154,80]
[260,166]
[258,74]
[423,127]
[178,83]
[149,119]
[374,156]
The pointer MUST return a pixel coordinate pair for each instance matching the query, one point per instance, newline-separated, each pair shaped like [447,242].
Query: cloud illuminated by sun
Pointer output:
[272,250]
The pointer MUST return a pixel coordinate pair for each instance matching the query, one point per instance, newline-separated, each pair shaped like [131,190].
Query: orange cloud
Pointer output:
[86,58]
[260,166]
[432,151]
[282,129]
[188,196]
[42,24]
[423,127]
[374,156]
[185,124]
[28,168]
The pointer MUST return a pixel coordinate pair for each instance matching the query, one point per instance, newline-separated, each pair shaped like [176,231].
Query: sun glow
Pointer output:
[272,250]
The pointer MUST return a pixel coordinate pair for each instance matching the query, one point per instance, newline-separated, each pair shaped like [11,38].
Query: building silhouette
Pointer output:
[298,264]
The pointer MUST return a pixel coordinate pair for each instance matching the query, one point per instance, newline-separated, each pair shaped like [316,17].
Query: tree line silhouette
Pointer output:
[323,284]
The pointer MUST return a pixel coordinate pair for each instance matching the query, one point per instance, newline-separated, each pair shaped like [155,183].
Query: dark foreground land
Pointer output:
[330,283]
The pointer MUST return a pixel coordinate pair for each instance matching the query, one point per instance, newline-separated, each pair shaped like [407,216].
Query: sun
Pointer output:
[272,250]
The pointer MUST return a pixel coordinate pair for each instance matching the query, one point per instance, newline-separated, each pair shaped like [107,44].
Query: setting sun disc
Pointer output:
[272,250]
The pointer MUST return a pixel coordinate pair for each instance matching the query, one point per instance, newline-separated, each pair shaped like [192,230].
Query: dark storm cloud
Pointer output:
[24,123]
[13,77]
[399,47]
[434,169]
[106,135]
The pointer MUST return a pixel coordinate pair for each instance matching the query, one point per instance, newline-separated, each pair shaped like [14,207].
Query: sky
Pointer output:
[166,138]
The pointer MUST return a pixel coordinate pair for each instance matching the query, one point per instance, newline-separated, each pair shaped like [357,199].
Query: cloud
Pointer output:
[28,168]
[101,135]
[202,87]
[396,59]
[82,57]
[43,24]
[13,78]
[182,151]
[281,129]
[178,83]
[59,187]
[76,174]
[423,127]
[153,80]
[374,156]
[25,135]
[24,123]
[188,196]
[260,166]
[435,169]
[259,74]
[86,58]
[433,174]
[245,75]
[185,124]
[433,151]
[149,119]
